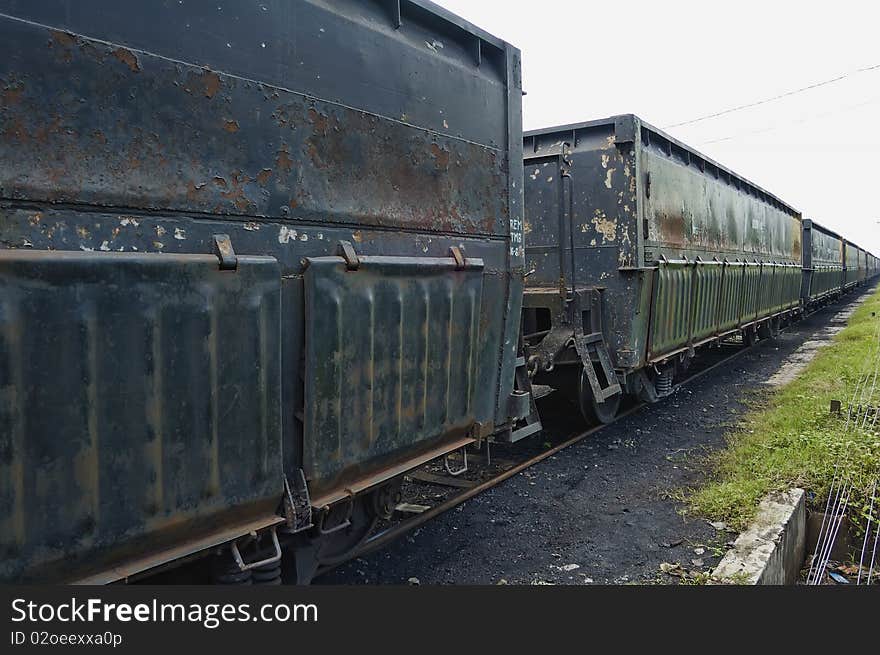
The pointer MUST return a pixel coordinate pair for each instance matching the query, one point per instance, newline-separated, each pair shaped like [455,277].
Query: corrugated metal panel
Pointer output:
[391,361]
[794,275]
[825,280]
[137,392]
[708,281]
[750,304]
[672,307]
[768,289]
[731,297]
[696,301]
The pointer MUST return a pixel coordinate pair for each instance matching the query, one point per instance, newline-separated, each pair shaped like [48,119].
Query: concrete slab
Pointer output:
[771,550]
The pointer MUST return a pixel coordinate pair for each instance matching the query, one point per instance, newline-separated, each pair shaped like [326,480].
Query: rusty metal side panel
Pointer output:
[708,283]
[671,313]
[691,211]
[391,363]
[731,296]
[119,115]
[598,207]
[139,394]
[547,251]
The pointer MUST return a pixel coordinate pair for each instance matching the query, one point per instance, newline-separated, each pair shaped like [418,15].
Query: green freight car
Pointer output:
[639,250]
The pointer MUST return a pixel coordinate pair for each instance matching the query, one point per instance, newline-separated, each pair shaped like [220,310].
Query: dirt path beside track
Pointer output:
[605,510]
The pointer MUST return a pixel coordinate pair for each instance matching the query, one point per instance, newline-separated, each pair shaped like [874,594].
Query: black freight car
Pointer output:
[851,265]
[257,260]
[639,250]
[823,259]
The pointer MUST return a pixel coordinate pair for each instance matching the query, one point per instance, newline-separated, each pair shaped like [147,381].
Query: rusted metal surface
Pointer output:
[391,360]
[139,393]
[679,245]
[210,141]
[287,126]
[190,544]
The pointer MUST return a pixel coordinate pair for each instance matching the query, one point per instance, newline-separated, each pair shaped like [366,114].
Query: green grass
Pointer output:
[789,437]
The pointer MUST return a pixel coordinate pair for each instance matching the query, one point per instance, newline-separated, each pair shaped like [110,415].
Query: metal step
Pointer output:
[592,350]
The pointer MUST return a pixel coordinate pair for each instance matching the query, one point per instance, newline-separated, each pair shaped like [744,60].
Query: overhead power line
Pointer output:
[788,124]
[780,96]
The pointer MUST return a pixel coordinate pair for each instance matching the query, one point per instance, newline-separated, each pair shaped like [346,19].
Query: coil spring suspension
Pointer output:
[270,574]
[227,572]
[663,382]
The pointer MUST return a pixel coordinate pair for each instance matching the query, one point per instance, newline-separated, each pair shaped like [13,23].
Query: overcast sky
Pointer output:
[671,61]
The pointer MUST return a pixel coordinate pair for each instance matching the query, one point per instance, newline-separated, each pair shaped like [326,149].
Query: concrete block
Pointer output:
[771,550]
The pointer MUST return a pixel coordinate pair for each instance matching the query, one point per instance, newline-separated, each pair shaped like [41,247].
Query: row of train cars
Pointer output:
[260,259]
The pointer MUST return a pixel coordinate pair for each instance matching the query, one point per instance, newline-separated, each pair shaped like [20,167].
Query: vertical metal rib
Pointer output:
[93,458]
[157,327]
[214,446]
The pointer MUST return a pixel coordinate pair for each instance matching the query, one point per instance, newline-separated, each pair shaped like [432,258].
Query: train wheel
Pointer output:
[592,411]
[769,329]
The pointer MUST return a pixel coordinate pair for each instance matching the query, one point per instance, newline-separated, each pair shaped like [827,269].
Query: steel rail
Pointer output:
[393,533]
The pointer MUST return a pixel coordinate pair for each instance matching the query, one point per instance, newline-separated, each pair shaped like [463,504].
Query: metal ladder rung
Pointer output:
[596,346]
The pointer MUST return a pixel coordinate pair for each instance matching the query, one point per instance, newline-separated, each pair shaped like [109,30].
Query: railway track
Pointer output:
[467,490]
[464,490]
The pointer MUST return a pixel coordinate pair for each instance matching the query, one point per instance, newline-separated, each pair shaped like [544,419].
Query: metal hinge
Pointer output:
[458,256]
[352,261]
[223,250]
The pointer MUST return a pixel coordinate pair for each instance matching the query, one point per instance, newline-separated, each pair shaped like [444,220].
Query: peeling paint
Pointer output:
[283,160]
[285,234]
[608,176]
[211,83]
[128,58]
[607,228]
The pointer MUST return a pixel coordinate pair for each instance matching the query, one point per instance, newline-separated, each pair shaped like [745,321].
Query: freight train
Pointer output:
[640,251]
[260,259]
